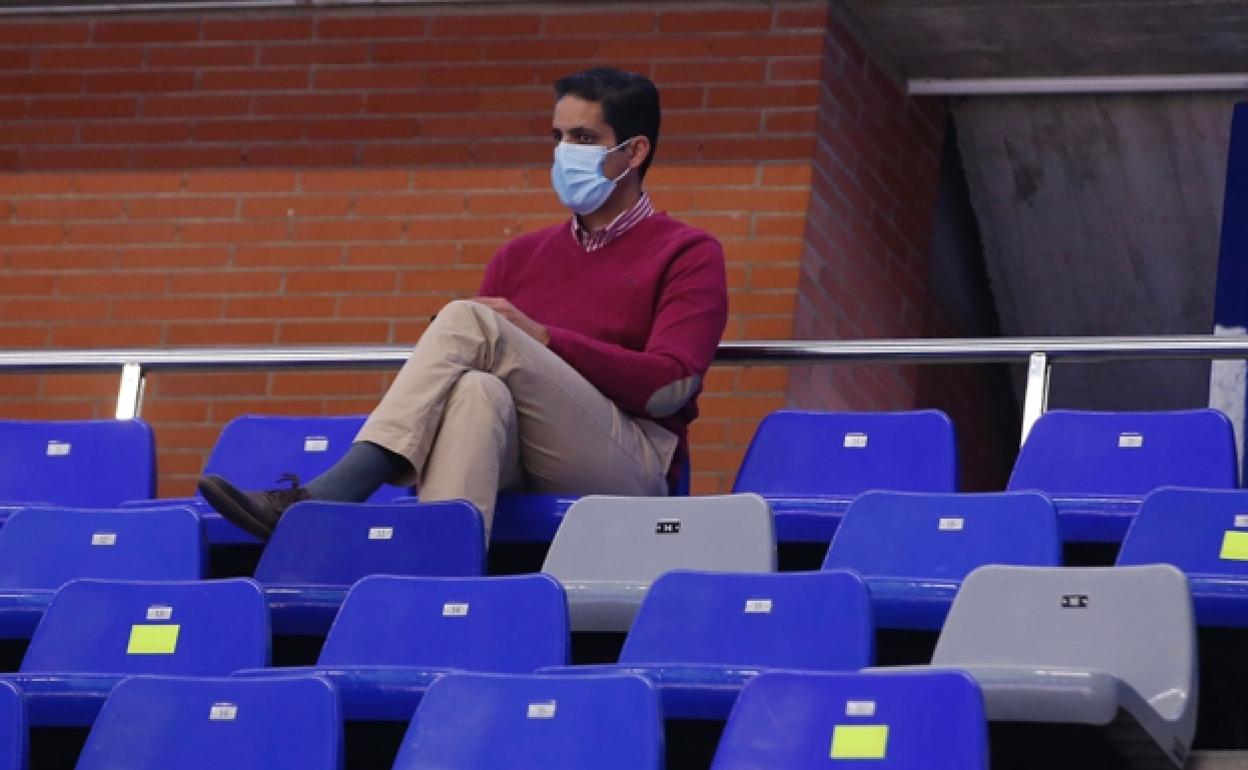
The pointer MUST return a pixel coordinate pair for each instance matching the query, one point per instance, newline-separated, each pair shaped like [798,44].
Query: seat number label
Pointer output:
[381,533]
[855,441]
[316,444]
[1241,519]
[951,524]
[1075,601]
[757,606]
[160,612]
[1130,440]
[223,712]
[667,527]
[860,708]
[454,610]
[104,538]
[59,448]
[542,710]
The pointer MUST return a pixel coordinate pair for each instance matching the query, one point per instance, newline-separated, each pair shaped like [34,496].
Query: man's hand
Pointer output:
[509,311]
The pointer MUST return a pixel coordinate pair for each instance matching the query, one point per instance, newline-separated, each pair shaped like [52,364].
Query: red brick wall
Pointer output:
[413,86]
[163,185]
[876,168]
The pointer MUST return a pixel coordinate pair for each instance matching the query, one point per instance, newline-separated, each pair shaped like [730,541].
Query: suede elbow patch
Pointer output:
[668,400]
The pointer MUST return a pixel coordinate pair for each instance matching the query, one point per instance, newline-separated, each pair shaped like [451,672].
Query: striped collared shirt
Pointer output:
[592,241]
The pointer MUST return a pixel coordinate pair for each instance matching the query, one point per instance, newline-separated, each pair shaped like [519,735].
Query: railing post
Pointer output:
[130,395]
[1036,397]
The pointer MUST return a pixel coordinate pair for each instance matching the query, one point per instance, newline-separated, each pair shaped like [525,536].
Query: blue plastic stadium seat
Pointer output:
[158,723]
[41,549]
[254,451]
[396,635]
[914,549]
[95,633]
[484,722]
[810,465]
[528,517]
[700,636]
[810,721]
[1203,532]
[8,509]
[13,737]
[84,463]
[320,549]
[1098,466]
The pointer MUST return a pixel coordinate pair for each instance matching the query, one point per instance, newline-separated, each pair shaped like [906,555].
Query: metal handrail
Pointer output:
[753,352]
[1039,352]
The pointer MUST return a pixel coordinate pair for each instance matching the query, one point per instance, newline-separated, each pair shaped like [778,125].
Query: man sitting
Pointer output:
[576,369]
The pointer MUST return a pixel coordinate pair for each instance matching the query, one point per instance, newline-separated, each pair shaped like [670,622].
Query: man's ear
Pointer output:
[638,150]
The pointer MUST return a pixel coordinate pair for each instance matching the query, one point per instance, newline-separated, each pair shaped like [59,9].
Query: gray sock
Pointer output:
[360,473]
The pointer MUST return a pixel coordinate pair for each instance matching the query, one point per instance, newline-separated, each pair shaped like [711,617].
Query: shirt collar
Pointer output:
[627,219]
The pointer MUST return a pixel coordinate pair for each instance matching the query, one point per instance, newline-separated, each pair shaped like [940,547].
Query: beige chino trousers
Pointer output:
[481,406]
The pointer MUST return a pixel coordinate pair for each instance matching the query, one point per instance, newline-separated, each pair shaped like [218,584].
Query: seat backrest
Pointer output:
[254,451]
[202,627]
[44,548]
[798,721]
[327,543]
[86,463]
[638,538]
[1133,622]
[1126,453]
[156,723]
[906,534]
[514,624]
[796,453]
[1196,530]
[14,743]
[483,722]
[805,620]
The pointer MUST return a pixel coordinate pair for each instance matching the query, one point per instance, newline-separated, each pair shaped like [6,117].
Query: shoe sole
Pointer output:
[220,496]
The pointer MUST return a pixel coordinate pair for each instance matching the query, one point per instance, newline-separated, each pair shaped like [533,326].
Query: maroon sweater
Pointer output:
[639,318]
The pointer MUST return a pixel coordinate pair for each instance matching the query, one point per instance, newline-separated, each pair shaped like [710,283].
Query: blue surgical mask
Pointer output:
[577,175]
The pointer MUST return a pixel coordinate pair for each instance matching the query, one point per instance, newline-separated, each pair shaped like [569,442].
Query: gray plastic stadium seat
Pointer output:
[1107,646]
[609,549]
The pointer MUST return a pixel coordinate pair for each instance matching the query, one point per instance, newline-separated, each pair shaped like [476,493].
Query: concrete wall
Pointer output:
[1100,215]
[1022,38]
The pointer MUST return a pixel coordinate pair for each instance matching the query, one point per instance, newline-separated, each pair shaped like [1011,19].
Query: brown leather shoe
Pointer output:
[255,512]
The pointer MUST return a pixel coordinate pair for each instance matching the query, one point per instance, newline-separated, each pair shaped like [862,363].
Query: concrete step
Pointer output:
[1218,760]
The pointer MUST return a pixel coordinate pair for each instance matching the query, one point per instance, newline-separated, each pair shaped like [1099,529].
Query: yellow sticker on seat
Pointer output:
[153,640]
[1234,546]
[859,741]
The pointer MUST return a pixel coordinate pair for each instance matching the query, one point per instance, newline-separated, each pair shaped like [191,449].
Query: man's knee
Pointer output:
[459,328]
[482,388]
[462,314]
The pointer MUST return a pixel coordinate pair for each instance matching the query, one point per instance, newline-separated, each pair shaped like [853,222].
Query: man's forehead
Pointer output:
[572,112]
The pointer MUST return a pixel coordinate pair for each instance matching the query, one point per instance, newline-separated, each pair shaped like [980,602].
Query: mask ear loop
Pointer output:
[626,170]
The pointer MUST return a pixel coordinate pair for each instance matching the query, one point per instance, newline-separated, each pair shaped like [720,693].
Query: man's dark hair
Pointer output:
[630,103]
